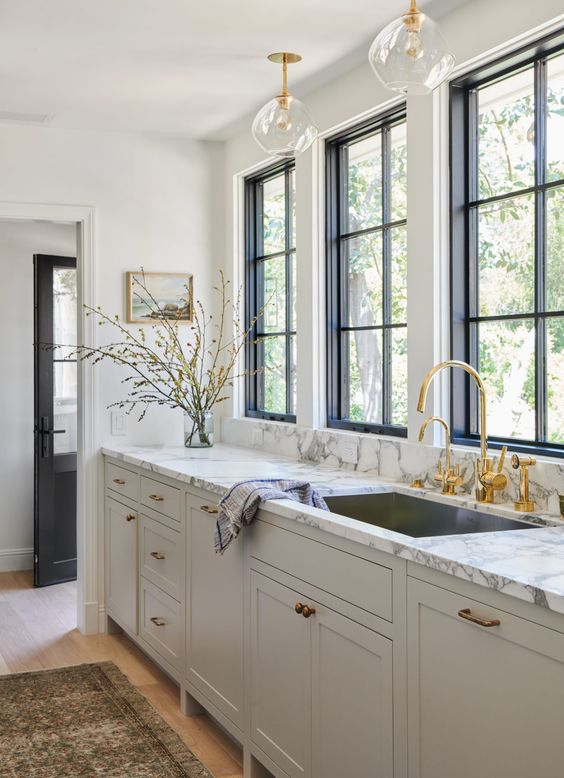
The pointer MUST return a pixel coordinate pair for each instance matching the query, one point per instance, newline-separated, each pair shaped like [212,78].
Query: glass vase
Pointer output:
[198,430]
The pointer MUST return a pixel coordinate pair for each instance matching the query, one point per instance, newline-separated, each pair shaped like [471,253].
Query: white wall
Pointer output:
[477,27]
[18,243]
[153,201]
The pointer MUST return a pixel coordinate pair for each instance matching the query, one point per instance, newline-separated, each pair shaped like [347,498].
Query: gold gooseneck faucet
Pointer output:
[488,481]
[447,477]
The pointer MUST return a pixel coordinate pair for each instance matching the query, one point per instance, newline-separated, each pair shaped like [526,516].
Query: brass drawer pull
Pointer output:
[119,481]
[307,612]
[209,509]
[130,517]
[467,614]
[298,607]
[157,621]
[157,555]
[156,497]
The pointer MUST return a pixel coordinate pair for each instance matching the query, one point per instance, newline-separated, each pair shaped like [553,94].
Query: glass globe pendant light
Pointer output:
[410,55]
[283,127]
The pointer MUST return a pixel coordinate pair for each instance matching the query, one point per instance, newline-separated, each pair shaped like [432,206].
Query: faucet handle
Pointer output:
[501,462]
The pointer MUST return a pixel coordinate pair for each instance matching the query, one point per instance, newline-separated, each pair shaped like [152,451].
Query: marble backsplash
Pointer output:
[395,459]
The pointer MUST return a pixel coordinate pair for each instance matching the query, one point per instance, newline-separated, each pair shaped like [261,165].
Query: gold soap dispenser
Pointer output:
[524,504]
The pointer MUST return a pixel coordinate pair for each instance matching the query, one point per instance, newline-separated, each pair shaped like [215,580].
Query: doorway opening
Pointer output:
[38,396]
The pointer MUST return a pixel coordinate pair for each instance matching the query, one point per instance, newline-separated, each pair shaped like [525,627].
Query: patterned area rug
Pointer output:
[86,721]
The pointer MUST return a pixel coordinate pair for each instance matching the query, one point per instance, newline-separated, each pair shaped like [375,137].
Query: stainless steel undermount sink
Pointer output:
[416,516]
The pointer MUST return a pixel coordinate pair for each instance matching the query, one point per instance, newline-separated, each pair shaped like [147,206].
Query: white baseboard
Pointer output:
[12,559]
[101,619]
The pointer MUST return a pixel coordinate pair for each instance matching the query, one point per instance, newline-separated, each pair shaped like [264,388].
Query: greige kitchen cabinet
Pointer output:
[121,563]
[483,701]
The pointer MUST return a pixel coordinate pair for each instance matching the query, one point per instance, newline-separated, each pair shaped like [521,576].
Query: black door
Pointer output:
[55,420]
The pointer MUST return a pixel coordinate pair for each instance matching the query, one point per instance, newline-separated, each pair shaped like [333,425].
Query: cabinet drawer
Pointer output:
[161,623]
[365,584]
[162,557]
[123,481]
[161,497]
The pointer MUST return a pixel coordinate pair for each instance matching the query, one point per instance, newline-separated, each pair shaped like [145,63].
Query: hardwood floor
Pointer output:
[38,631]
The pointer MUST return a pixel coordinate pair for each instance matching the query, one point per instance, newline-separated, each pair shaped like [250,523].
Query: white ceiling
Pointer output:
[185,67]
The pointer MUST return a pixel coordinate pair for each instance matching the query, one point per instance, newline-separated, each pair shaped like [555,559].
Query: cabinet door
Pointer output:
[121,534]
[482,701]
[214,615]
[280,667]
[352,699]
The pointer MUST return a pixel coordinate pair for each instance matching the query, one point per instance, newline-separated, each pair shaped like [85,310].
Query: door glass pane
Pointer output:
[64,407]
[64,310]
[398,170]
[399,376]
[555,379]
[506,135]
[363,355]
[507,256]
[273,273]
[272,383]
[555,249]
[555,120]
[274,215]
[507,365]
[364,184]
[363,258]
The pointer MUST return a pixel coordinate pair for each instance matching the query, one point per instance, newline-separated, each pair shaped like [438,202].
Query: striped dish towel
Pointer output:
[239,506]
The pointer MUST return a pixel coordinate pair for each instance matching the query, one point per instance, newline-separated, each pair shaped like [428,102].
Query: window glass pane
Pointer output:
[364,184]
[507,365]
[64,310]
[272,384]
[506,135]
[293,374]
[399,376]
[399,275]
[555,250]
[555,379]
[274,215]
[507,256]
[363,259]
[363,355]
[293,208]
[272,275]
[555,120]
[293,291]
[398,170]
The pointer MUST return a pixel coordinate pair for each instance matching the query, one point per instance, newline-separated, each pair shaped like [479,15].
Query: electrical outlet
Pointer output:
[118,422]
[350,454]
[257,438]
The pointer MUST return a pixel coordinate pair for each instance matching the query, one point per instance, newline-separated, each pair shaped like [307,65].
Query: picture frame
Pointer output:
[169,290]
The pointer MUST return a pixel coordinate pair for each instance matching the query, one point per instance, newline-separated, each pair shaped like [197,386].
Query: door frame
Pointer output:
[89,527]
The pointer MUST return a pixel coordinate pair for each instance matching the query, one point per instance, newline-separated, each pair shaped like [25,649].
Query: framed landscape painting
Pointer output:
[171,292]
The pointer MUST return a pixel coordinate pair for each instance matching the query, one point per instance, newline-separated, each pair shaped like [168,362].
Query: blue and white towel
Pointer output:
[239,506]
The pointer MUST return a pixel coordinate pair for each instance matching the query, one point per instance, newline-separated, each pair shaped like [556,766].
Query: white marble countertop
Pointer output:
[527,564]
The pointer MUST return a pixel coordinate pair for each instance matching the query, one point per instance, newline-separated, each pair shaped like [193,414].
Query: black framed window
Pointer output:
[270,238]
[367,276]
[507,189]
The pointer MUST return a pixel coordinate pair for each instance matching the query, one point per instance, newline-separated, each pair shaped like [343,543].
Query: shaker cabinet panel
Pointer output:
[483,701]
[352,699]
[121,534]
[214,599]
[280,667]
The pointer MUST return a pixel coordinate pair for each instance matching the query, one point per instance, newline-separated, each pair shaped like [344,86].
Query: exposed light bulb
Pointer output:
[284,121]
[414,47]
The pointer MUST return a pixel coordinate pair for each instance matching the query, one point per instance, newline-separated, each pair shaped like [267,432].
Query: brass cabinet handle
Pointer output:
[209,509]
[307,612]
[157,555]
[157,621]
[119,481]
[156,497]
[467,614]
[130,517]
[298,607]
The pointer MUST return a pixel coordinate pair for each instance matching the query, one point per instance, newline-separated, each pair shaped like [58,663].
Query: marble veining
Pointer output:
[527,564]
